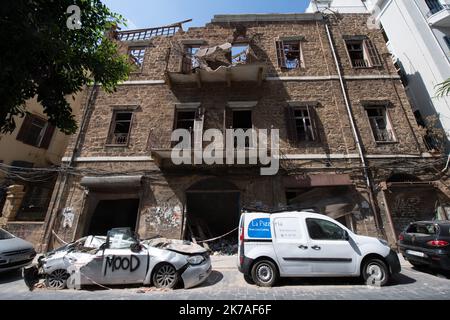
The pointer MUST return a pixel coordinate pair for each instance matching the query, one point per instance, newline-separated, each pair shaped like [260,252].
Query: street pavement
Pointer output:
[225,282]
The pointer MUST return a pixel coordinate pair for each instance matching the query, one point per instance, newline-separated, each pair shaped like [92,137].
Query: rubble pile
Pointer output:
[224,247]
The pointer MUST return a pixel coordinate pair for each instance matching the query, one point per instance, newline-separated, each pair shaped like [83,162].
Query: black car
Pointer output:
[426,243]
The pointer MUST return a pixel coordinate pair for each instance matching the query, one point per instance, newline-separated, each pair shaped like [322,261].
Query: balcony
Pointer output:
[219,65]
[439,16]
[384,135]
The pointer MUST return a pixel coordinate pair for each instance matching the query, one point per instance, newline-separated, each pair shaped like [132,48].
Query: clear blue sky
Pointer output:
[152,13]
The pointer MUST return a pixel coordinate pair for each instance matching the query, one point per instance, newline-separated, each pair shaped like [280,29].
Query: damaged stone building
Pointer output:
[349,147]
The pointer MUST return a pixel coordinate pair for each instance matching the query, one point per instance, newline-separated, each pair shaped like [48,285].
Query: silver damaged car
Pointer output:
[121,258]
[15,253]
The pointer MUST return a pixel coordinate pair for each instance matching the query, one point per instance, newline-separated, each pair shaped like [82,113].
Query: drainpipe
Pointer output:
[355,132]
[62,183]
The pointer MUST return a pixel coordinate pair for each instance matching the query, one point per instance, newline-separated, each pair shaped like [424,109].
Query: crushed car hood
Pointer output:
[179,246]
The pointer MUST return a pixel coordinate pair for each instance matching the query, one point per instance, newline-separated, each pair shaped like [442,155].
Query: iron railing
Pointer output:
[145,34]
[384,135]
[119,138]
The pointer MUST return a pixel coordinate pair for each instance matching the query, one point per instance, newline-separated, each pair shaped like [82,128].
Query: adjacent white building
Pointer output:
[418,33]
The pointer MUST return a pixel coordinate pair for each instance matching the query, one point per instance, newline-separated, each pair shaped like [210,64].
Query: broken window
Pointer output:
[242,119]
[35,202]
[380,124]
[136,55]
[362,53]
[185,120]
[191,120]
[190,61]
[120,128]
[301,122]
[303,125]
[239,53]
[289,54]
[35,131]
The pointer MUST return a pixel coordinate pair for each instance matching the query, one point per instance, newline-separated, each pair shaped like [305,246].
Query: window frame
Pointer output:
[45,136]
[312,129]
[291,124]
[185,57]
[387,119]
[140,48]
[370,53]
[112,126]
[335,224]
[280,47]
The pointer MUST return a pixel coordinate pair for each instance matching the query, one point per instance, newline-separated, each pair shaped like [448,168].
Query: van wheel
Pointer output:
[248,279]
[375,273]
[264,273]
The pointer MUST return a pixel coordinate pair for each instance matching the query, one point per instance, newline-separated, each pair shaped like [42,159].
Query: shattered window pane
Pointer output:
[137,55]
[292,54]
[121,128]
[356,52]
[239,53]
[303,125]
[380,125]
[185,120]
[190,61]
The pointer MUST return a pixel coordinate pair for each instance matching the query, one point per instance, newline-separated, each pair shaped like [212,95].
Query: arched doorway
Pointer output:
[213,209]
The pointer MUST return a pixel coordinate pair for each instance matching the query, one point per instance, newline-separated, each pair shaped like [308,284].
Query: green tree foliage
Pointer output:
[42,57]
[444,88]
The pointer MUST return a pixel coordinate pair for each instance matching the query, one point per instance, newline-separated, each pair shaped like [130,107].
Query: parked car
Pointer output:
[15,253]
[121,258]
[426,243]
[306,244]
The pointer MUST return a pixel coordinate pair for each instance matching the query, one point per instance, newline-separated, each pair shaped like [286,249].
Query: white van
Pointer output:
[305,244]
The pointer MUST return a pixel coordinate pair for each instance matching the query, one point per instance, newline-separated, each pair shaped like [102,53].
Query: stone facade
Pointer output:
[165,190]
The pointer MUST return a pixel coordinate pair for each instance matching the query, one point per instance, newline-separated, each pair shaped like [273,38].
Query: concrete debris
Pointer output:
[224,247]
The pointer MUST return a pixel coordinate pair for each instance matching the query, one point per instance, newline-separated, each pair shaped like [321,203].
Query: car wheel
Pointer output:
[165,276]
[375,273]
[264,273]
[248,279]
[57,279]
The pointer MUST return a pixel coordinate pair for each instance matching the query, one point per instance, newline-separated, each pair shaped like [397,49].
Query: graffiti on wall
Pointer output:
[68,215]
[165,214]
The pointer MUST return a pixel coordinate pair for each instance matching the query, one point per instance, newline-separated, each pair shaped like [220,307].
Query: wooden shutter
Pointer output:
[375,59]
[47,136]
[280,54]
[314,122]
[291,130]
[26,125]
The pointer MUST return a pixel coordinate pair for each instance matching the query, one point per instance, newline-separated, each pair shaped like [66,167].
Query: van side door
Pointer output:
[291,246]
[332,253]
